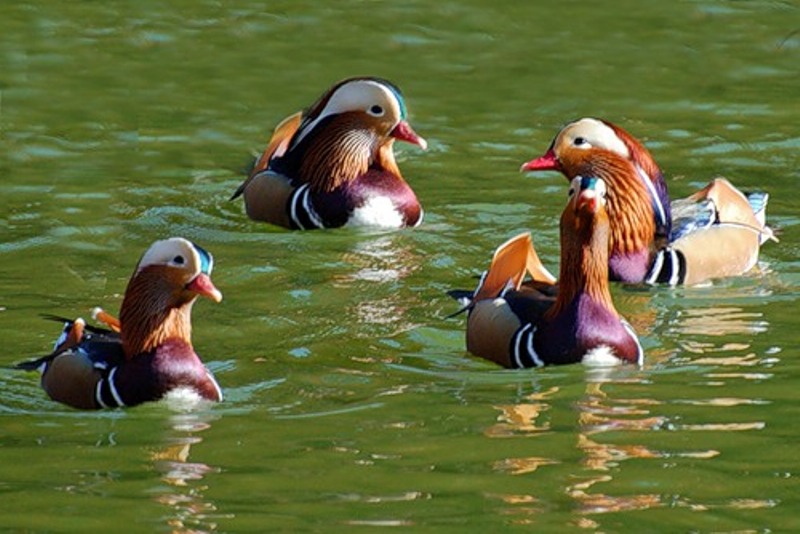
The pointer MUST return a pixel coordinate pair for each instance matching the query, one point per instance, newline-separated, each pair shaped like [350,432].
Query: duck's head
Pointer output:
[180,267]
[372,102]
[170,276]
[586,207]
[593,147]
[349,129]
[583,140]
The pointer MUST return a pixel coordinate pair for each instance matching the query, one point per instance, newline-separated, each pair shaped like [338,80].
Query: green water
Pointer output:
[351,404]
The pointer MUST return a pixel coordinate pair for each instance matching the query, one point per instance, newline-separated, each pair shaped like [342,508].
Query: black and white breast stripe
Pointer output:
[639,348]
[522,352]
[669,267]
[106,394]
[301,211]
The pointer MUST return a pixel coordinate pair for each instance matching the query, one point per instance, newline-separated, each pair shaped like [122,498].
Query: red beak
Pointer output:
[202,285]
[404,132]
[548,162]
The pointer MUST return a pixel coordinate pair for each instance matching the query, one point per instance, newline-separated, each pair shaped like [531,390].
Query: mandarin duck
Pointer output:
[518,323]
[145,354]
[333,164]
[714,233]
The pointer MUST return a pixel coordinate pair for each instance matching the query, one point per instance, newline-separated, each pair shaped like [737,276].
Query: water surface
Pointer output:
[350,401]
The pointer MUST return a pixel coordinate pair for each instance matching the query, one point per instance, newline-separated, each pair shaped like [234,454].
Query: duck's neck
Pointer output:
[149,316]
[584,269]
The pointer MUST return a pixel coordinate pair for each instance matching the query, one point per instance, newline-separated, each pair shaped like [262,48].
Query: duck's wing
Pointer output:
[82,357]
[504,300]
[278,144]
[689,215]
[716,232]
[101,346]
[731,206]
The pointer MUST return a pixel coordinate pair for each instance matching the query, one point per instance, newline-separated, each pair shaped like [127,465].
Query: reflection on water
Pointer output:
[597,487]
[598,413]
[704,335]
[384,258]
[189,510]
[517,420]
[379,259]
[378,264]
[719,321]
[522,419]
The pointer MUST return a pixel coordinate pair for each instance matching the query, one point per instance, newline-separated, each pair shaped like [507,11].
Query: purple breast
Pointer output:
[631,268]
[583,325]
[174,364]
[336,207]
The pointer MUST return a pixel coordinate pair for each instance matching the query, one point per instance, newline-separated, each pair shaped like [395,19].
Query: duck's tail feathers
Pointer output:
[71,336]
[34,365]
[758,201]
[464,298]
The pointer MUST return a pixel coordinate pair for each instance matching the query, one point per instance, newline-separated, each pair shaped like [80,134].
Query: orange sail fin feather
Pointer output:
[512,261]
[279,142]
[147,353]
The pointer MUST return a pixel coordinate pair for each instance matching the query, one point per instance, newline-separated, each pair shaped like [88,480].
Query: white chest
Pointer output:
[377,211]
[602,356]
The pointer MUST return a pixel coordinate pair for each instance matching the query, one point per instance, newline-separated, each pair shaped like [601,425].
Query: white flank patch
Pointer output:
[602,356]
[377,211]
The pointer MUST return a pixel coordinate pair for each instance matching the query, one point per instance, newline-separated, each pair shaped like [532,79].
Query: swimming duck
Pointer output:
[716,232]
[334,164]
[518,323]
[147,352]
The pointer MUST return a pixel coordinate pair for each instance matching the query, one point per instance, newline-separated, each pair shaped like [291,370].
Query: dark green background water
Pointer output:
[351,403]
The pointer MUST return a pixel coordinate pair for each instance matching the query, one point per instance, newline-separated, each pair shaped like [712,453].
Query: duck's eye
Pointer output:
[579,141]
[570,192]
[375,110]
[178,260]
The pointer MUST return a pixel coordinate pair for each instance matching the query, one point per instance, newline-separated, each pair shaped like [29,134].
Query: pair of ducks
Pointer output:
[333,165]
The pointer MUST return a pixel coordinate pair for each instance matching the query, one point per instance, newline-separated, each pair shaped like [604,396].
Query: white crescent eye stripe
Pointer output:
[357,95]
